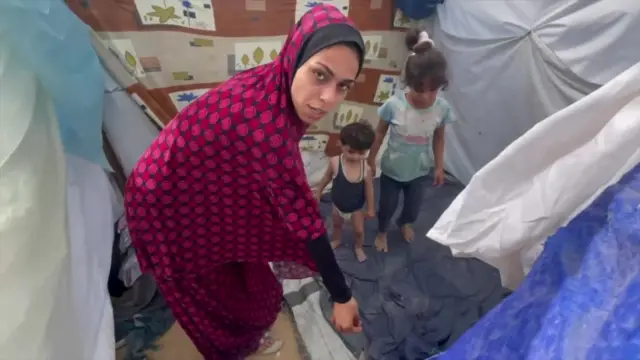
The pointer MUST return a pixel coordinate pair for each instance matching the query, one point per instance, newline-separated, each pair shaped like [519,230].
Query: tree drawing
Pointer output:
[349,115]
[367,46]
[273,55]
[244,60]
[164,14]
[258,55]
[375,48]
[383,96]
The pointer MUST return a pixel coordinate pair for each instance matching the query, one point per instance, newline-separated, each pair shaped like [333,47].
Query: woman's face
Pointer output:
[322,82]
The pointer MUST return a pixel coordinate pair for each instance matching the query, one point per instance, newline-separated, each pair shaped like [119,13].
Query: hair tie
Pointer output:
[423,37]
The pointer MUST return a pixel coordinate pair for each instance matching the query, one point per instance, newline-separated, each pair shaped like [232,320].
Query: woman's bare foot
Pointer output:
[269,345]
[335,243]
[362,257]
[407,232]
[381,242]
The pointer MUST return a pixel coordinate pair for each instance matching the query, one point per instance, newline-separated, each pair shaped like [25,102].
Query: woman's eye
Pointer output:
[345,88]
[320,76]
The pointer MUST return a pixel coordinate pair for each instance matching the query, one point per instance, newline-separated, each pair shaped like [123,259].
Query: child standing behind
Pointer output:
[352,184]
[414,119]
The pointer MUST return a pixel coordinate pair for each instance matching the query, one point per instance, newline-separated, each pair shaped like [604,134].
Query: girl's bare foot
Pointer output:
[407,232]
[269,345]
[335,243]
[362,257]
[381,242]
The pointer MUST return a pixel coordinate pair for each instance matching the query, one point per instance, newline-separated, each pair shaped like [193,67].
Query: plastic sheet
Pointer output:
[581,298]
[55,231]
[57,47]
[546,177]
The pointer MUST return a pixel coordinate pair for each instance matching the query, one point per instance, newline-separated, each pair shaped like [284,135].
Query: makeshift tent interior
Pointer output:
[520,72]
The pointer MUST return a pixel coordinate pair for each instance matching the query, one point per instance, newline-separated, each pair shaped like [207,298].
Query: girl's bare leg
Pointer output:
[357,221]
[336,234]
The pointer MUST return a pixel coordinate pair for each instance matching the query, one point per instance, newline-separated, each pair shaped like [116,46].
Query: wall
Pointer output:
[166,53]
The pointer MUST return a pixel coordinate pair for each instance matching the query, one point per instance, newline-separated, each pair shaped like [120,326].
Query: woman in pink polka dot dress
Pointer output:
[222,192]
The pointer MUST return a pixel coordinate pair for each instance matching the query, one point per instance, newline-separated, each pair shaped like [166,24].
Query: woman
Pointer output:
[222,192]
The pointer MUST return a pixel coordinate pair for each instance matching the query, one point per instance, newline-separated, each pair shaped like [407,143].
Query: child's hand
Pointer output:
[371,213]
[438,177]
[317,194]
[372,166]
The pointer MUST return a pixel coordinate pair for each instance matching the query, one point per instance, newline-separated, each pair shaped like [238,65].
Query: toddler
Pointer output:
[414,119]
[352,186]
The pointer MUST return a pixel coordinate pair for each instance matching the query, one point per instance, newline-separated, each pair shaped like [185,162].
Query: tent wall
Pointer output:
[165,60]
[515,63]
[512,65]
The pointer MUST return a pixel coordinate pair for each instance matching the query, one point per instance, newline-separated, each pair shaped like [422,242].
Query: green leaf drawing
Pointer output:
[258,55]
[130,59]
[367,46]
[349,115]
[273,55]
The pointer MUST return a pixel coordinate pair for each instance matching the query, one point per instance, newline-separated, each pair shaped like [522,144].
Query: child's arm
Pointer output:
[438,154]
[386,113]
[381,132]
[326,179]
[369,194]
[438,147]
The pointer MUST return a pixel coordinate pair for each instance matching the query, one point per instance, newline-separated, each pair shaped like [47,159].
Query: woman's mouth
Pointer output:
[317,113]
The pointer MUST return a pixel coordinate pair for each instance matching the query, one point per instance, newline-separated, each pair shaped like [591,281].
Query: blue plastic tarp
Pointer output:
[57,47]
[581,299]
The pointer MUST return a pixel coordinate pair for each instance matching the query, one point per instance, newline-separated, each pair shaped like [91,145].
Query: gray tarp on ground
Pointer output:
[417,298]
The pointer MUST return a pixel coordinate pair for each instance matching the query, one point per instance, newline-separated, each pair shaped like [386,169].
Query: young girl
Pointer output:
[352,187]
[414,119]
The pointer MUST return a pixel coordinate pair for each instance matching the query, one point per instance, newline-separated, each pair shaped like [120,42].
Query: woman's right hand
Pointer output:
[346,317]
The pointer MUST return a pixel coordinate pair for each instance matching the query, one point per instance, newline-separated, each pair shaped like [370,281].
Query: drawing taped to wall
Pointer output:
[194,14]
[302,6]
[252,54]
[400,20]
[346,115]
[315,142]
[125,51]
[372,44]
[387,85]
[183,98]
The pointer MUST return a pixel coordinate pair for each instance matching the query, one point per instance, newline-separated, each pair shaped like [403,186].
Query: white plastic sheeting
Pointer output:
[514,63]
[546,177]
[55,232]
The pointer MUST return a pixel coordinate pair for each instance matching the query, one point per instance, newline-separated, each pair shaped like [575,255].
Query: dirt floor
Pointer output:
[176,345]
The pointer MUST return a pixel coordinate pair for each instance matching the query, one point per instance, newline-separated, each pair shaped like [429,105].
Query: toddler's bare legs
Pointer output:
[357,221]
[336,234]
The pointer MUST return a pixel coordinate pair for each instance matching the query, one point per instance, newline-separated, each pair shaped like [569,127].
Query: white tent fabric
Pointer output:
[55,232]
[514,63]
[545,178]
